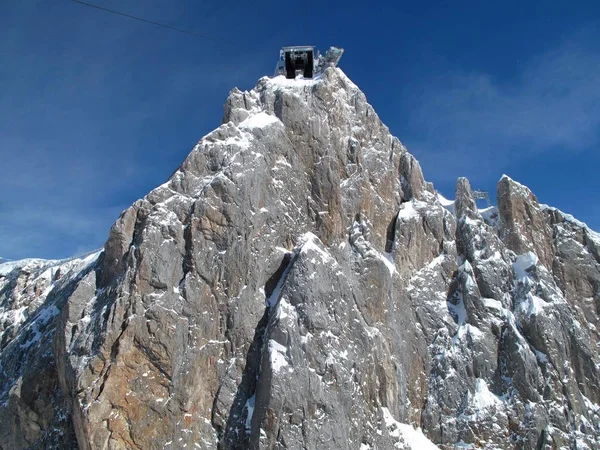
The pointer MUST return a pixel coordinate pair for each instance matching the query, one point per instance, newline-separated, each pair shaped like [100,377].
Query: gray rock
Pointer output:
[298,284]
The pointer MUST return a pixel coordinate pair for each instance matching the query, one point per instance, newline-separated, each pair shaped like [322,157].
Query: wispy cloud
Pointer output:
[471,123]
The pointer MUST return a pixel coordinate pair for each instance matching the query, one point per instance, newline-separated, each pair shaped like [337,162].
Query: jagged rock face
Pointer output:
[298,284]
[34,411]
[524,226]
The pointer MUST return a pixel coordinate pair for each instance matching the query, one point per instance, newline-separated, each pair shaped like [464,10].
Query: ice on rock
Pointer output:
[277,355]
[250,404]
[309,244]
[273,299]
[530,304]
[259,120]
[299,82]
[408,211]
[483,398]
[448,204]
[405,436]
[523,263]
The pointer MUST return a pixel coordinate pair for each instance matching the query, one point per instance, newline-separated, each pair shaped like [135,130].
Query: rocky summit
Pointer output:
[297,284]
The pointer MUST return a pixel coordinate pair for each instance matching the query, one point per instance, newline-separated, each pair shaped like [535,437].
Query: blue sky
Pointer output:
[96,109]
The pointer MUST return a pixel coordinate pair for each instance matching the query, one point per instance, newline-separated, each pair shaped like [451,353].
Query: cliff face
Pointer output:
[298,284]
[34,411]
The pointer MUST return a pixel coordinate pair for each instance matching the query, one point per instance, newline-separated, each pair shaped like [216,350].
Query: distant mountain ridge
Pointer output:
[298,284]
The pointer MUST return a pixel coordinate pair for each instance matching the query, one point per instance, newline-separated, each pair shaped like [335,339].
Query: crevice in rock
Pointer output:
[278,105]
[221,305]
[153,359]
[365,322]
[114,350]
[74,331]
[235,434]
[391,234]
[187,265]
[214,421]
[454,297]
[272,282]
[277,282]
[542,440]
[104,379]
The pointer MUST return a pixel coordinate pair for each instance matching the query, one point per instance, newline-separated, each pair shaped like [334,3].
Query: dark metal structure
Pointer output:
[305,61]
[482,195]
[299,60]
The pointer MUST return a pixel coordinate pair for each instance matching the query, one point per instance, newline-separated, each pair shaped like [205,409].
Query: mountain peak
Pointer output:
[296,283]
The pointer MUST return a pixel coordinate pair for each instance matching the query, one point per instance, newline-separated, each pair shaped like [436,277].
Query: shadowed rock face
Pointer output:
[297,284]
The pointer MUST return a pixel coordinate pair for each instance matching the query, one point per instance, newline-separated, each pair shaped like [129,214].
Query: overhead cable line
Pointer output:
[118,13]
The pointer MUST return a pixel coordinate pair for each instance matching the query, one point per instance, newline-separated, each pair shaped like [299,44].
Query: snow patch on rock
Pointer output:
[446,203]
[277,355]
[260,120]
[406,437]
[594,235]
[523,263]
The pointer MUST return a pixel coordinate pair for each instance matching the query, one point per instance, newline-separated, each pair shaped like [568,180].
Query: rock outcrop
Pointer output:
[298,284]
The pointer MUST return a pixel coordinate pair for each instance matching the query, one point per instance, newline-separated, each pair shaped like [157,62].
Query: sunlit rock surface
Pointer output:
[297,284]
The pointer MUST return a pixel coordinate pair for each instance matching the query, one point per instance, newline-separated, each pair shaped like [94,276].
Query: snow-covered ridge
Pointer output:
[594,235]
[9,266]
[448,204]
[39,263]
[31,281]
